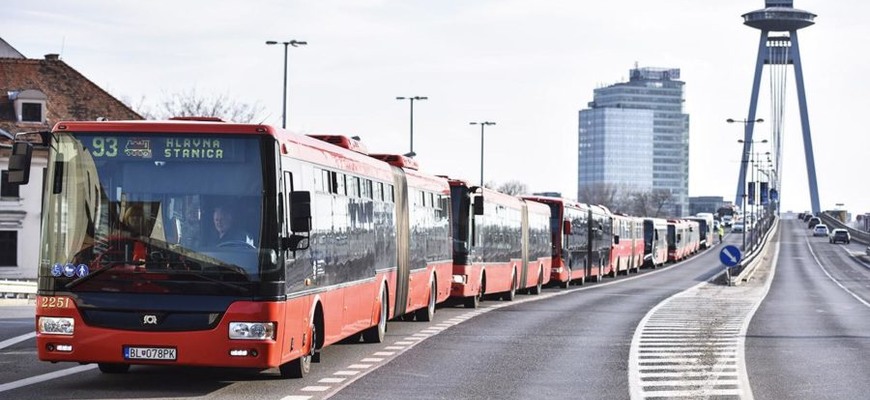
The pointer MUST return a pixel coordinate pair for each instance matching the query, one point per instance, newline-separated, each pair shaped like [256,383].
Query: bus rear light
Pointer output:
[252,330]
[460,278]
[56,325]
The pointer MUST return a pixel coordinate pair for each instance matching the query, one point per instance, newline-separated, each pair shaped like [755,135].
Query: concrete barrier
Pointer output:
[17,289]
[752,260]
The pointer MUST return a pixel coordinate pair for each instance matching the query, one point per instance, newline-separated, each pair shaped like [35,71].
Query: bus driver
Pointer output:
[227,232]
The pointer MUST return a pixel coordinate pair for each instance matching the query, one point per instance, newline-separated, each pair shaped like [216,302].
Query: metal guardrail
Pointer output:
[17,289]
[753,259]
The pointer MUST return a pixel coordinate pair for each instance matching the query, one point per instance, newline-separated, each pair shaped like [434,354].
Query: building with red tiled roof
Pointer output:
[34,95]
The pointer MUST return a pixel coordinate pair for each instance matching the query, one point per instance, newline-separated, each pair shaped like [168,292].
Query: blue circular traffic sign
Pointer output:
[730,255]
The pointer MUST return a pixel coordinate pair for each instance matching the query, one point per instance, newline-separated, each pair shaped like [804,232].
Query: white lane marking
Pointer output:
[819,263]
[359,366]
[346,373]
[296,398]
[384,353]
[332,380]
[16,340]
[371,360]
[315,388]
[395,347]
[45,377]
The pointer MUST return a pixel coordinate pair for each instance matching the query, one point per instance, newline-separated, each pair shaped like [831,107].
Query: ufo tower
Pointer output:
[778,48]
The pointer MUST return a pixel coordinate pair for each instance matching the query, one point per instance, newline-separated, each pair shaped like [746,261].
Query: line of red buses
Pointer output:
[330,243]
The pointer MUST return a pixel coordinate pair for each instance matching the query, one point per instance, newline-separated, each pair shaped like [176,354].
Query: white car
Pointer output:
[737,227]
[820,230]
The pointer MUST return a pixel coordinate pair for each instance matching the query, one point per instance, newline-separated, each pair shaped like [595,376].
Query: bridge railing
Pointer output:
[757,254]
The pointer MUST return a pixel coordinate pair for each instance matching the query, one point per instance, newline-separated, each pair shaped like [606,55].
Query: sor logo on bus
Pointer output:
[150,319]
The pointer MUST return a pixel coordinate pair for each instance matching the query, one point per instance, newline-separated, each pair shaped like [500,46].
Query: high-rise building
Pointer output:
[634,137]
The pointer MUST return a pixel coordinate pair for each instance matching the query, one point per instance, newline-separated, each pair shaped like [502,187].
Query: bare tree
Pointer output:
[192,104]
[604,194]
[659,198]
[513,188]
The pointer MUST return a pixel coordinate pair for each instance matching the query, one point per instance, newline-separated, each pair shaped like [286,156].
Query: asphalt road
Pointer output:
[810,339]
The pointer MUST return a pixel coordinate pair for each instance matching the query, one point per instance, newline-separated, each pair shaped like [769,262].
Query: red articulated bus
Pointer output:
[683,239]
[230,245]
[501,244]
[428,218]
[626,253]
[581,236]
[655,242]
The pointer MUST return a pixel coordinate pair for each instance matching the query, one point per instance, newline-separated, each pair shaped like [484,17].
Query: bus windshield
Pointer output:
[153,213]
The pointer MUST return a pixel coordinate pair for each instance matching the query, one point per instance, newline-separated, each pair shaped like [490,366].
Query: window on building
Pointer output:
[31,112]
[7,189]
[8,248]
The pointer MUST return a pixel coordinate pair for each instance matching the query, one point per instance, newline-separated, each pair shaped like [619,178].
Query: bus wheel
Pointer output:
[511,294]
[301,366]
[109,368]
[540,285]
[426,314]
[376,333]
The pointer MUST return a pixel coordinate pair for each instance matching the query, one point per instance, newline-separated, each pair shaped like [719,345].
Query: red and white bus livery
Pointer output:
[683,239]
[581,237]
[626,253]
[655,242]
[233,245]
[501,244]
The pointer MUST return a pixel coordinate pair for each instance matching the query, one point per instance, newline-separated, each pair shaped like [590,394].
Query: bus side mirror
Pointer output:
[19,163]
[300,211]
[300,222]
[478,205]
[566,227]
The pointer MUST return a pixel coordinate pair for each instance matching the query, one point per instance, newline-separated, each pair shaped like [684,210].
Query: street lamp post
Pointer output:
[294,43]
[751,157]
[412,117]
[482,125]
[747,135]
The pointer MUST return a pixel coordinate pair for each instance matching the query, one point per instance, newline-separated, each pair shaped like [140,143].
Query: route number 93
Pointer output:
[104,147]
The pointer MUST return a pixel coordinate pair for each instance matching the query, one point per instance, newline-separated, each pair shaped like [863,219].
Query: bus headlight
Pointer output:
[252,330]
[56,325]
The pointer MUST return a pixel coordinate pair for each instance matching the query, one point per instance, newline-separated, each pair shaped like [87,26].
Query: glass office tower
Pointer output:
[634,136]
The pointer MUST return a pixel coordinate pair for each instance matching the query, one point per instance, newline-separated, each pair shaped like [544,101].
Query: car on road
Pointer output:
[820,230]
[840,235]
[737,227]
[813,222]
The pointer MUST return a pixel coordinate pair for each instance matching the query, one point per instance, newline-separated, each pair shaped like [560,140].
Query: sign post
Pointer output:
[730,257]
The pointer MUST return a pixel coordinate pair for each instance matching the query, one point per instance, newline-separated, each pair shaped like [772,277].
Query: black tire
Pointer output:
[539,287]
[566,284]
[427,313]
[301,366]
[377,333]
[112,368]
[511,294]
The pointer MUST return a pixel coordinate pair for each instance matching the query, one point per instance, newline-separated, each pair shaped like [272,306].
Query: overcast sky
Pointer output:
[528,65]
